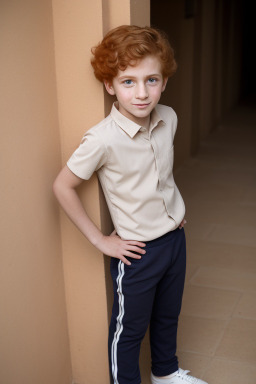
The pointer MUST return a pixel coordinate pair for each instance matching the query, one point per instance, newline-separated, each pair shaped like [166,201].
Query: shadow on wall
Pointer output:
[212,42]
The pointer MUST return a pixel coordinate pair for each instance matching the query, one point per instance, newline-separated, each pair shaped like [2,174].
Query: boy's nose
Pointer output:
[141,92]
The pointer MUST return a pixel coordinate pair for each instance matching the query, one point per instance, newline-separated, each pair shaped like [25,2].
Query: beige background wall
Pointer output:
[82,103]
[52,321]
[34,346]
[77,27]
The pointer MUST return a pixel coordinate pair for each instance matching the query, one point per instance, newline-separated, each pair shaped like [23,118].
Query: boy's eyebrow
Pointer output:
[133,77]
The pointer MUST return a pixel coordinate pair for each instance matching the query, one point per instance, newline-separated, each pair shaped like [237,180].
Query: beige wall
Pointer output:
[82,103]
[34,344]
[77,27]
[55,326]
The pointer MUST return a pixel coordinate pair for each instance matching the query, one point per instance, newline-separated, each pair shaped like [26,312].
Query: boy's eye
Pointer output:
[152,80]
[128,82]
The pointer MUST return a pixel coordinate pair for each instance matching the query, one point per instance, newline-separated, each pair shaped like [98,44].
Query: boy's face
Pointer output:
[138,89]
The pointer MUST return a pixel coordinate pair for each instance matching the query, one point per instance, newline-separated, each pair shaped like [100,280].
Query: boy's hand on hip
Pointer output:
[114,246]
[184,221]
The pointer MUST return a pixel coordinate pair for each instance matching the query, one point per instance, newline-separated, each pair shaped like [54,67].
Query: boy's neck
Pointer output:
[143,121]
[146,123]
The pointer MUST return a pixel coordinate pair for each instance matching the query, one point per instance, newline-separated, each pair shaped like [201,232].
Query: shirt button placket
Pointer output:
[155,149]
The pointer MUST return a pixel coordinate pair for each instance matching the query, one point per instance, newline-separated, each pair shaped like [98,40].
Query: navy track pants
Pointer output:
[149,291]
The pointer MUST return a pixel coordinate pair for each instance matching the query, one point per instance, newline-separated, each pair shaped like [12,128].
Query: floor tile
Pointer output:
[230,372]
[224,213]
[209,302]
[190,271]
[212,192]
[145,360]
[199,335]
[231,256]
[199,231]
[225,279]
[219,175]
[246,306]
[231,234]
[248,197]
[238,342]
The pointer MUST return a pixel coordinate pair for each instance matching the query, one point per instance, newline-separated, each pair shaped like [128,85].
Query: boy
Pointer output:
[132,152]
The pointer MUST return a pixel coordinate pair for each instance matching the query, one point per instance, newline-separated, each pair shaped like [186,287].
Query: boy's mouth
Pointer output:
[141,105]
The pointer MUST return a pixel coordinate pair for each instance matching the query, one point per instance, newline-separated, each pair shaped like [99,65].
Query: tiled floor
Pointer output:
[217,329]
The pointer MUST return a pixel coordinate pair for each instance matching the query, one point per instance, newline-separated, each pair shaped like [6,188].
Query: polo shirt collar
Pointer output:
[128,125]
[155,119]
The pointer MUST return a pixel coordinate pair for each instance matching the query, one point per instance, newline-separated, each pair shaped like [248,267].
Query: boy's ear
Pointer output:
[109,87]
[164,83]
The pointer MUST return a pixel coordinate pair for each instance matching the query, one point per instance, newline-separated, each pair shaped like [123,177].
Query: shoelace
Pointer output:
[189,379]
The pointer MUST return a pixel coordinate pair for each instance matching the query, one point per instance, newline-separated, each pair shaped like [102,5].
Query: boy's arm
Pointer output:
[64,189]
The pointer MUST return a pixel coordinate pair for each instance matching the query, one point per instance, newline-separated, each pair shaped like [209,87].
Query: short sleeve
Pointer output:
[88,157]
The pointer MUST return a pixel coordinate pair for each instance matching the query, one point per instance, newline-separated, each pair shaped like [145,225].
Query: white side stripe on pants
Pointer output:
[119,325]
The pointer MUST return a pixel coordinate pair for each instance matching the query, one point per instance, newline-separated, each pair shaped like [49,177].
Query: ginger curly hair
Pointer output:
[125,45]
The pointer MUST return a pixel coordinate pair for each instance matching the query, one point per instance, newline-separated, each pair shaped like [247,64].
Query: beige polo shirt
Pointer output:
[134,166]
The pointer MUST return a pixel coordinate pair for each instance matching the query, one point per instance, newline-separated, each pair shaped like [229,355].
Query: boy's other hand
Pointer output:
[184,221]
[114,246]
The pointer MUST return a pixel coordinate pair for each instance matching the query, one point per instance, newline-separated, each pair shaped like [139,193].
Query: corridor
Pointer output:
[218,321]
[216,336]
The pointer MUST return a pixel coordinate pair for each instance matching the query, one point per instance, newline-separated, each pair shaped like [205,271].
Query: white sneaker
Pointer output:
[181,377]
